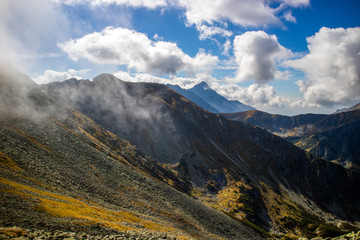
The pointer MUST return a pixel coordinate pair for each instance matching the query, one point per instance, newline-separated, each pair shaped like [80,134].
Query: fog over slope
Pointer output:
[242,170]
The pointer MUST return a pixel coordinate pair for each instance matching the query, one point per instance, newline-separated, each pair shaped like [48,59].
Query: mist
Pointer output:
[21,97]
[133,111]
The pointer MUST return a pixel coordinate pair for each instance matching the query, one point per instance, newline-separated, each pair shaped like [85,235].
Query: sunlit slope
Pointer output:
[254,176]
[59,170]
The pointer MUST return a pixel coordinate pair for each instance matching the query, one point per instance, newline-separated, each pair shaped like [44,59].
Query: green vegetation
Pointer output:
[256,228]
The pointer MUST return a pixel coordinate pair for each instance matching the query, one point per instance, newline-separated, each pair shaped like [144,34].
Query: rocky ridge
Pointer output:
[251,175]
[61,171]
[334,137]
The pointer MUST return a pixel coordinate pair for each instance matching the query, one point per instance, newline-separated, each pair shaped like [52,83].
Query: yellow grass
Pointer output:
[12,232]
[7,162]
[69,207]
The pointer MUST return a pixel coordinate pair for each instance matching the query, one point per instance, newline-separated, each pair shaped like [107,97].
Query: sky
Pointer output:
[280,56]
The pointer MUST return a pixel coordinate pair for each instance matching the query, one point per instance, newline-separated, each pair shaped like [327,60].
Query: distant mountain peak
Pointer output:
[203,85]
[194,98]
[217,101]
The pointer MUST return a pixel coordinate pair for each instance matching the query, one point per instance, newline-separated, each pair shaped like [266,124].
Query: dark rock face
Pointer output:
[216,154]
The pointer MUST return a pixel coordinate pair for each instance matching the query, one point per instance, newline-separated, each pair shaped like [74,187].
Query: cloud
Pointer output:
[226,47]
[130,3]
[256,95]
[239,12]
[261,96]
[184,82]
[296,3]
[256,54]
[332,67]
[289,17]
[282,75]
[54,76]
[211,19]
[157,37]
[26,32]
[247,13]
[140,77]
[208,31]
[121,46]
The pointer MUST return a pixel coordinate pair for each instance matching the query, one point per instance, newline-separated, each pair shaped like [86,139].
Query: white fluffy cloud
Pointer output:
[122,46]
[240,12]
[54,76]
[256,95]
[332,67]
[256,54]
[210,17]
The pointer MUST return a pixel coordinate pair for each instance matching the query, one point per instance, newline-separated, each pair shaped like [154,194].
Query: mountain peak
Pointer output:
[217,101]
[202,85]
[106,76]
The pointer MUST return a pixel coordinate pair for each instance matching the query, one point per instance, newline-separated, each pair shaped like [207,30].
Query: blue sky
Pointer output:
[280,56]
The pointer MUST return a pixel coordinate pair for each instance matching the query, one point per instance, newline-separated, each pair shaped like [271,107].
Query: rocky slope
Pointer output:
[62,174]
[334,137]
[244,171]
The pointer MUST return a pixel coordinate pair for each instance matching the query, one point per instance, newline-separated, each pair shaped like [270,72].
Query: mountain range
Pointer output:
[239,169]
[335,137]
[202,95]
[107,156]
[62,174]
